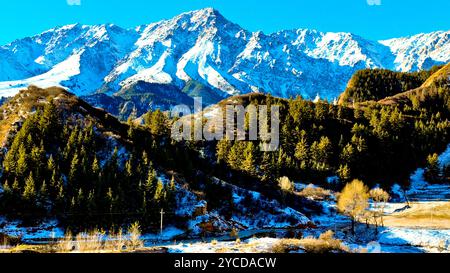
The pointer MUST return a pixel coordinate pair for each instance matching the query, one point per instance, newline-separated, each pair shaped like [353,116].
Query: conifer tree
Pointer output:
[302,152]
[159,192]
[223,148]
[29,192]
[248,164]
[432,173]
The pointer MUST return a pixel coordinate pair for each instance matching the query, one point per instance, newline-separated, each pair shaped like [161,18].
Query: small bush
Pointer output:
[326,243]
[285,184]
[135,236]
[234,233]
[315,193]
[285,246]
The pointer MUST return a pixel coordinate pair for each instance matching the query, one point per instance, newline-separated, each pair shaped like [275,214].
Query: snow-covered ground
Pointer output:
[60,73]
[253,245]
[414,240]
[421,190]
[46,230]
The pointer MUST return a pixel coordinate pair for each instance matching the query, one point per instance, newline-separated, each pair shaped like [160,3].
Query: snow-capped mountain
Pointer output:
[204,48]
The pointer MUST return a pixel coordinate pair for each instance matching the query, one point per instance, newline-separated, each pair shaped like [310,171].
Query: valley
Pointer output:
[90,162]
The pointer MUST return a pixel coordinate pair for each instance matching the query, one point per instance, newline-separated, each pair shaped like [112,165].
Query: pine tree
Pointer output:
[74,169]
[248,164]
[156,122]
[432,173]
[110,199]
[302,152]
[6,187]
[16,186]
[170,194]
[80,201]
[51,165]
[344,173]
[172,184]
[268,169]
[43,193]
[90,204]
[60,197]
[95,167]
[223,148]
[321,153]
[159,192]
[53,190]
[29,192]
[348,154]
[150,184]
[235,156]
[22,162]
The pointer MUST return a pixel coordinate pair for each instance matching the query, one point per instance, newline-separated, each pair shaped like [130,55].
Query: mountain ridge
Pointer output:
[203,46]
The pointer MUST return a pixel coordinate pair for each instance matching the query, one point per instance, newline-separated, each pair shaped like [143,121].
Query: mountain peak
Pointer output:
[206,12]
[205,16]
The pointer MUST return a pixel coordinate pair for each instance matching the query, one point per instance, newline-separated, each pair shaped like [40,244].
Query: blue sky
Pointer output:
[391,18]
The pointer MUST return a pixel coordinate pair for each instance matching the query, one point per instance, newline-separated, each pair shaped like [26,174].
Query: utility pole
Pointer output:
[162,214]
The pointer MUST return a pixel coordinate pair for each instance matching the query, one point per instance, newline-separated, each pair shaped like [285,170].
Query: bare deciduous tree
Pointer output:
[353,201]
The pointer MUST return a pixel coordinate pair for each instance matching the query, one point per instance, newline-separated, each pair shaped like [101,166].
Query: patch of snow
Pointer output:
[422,238]
[167,234]
[45,230]
[333,180]
[444,158]
[58,74]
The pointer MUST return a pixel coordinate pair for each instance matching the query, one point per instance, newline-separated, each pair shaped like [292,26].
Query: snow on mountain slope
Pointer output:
[32,60]
[420,51]
[204,47]
[59,73]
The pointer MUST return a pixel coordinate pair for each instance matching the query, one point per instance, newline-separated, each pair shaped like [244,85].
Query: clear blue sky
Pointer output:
[392,18]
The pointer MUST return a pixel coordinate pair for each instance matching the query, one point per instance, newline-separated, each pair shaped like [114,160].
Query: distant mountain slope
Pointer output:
[438,82]
[377,84]
[204,47]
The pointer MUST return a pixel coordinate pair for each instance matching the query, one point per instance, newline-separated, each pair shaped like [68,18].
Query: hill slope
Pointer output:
[376,84]
[436,83]
[67,160]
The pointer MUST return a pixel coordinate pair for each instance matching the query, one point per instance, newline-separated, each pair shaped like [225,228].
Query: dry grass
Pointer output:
[98,241]
[66,244]
[116,242]
[90,242]
[424,215]
[315,193]
[134,233]
[326,243]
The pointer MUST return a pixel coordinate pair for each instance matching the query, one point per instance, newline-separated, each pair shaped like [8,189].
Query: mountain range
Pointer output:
[201,53]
